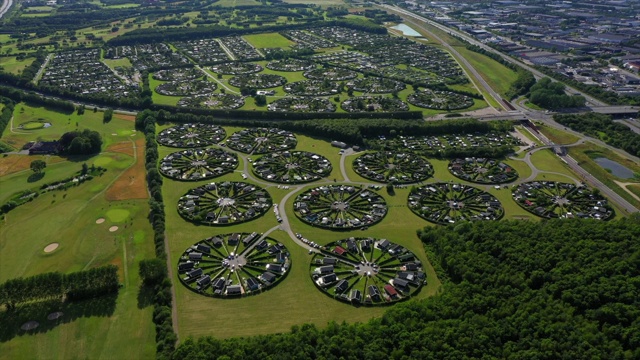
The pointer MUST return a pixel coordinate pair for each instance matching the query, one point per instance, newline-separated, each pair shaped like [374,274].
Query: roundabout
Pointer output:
[332,74]
[291,65]
[376,85]
[302,104]
[182,88]
[198,164]
[312,88]
[261,140]
[373,104]
[395,167]
[224,203]
[448,203]
[340,207]
[550,199]
[212,101]
[178,74]
[440,100]
[191,135]
[367,271]
[233,265]
[257,81]
[482,170]
[292,167]
[237,68]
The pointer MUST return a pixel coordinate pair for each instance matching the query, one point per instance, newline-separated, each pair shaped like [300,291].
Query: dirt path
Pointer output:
[623,185]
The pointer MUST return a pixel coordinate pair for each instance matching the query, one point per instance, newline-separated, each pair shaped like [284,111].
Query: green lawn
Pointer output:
[234,3]
[12,65]
[268,40]
[114,63]
[498,76]
[558,136]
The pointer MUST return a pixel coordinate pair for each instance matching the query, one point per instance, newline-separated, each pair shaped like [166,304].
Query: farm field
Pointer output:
[103,328]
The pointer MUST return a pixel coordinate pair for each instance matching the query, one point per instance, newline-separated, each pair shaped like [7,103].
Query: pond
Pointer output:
[616,169]
[407,30]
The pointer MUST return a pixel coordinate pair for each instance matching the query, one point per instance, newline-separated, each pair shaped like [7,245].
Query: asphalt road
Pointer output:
[6,5]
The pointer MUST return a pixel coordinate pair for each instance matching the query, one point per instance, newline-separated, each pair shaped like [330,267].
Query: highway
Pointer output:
[6,5]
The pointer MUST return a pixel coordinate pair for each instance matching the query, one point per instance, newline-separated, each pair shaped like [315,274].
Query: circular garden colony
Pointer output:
[312,88]
[550,199]
[373,104]
[261,140]
[392,166]
[440,100]
[191,135]
[235,264]
[237,68]
[331,74]
[182,88]
[212,101]
[292,167]
[178,74]
[340,207]
[302,104]
[198,164]
[257,81]
[445,203]
[367,270]
[376,85]
[291,65]
[482,170]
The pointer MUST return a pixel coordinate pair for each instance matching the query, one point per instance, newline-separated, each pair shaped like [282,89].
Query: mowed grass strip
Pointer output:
[268,40]
[498,76]
[131,184]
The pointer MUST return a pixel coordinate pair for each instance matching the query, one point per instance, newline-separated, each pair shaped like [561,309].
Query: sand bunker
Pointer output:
[49,248]
[29,325]
[100,221]
[55,315]
[113,228]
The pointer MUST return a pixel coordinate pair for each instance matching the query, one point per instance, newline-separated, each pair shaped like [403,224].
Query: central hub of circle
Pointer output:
[562,201]
[226,202]
[198,163]
[340,206]
[261,139]
[234,261]
[191,135]
[291,166]
[367,269]
[453,204]
[481,170]
[390,166]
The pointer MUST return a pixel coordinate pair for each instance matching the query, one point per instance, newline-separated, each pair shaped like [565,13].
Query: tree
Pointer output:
[152,271]
[38,166]
[108,115]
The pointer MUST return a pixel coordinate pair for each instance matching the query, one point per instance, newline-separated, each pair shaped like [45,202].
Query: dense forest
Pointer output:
[601,126]
[551,95]
[558,289]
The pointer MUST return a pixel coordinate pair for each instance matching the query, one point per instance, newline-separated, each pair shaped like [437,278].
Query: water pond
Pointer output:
[407,30]
[616,169]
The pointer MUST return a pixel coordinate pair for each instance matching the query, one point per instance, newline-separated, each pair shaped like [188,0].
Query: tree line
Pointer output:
[513,290]
[74,286]
[551,95]
[5,118]
[601,126]
[18,95]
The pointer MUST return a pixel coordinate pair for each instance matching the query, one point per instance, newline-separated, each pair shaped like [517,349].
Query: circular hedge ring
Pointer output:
[373,104]
[233,265]
[302,104]
[550,199]
[367,270]
[198,164]
[257,81]
[182,88]
[445,203]
[482,170]
[292,167]
[262,140]
[376,85]
[332,74]
[178,74]
[393,166]
[224,203]
[34,125]
[440,100]
[212,101]
[340,207]
[312,88]
[191,135]
[237,68]
[291,65]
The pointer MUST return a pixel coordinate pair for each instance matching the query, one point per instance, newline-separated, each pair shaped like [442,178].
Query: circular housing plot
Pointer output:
[447,203]
[292,167]
[373,104]
[367,271]
[482,170]
[191,135]
[212,101]
[392,166]
[262,140]
[198,164]
[178,74]
[340,207]
[332,74]
[258,81]
[440,100]
[291,65]
[184,88]
[224,203]
[550,199]
[237,68]
[302,104]
[376,85]
[312,88]
[233,265]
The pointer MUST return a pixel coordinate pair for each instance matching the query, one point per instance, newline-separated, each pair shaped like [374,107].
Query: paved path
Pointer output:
[6,5]
[217,80]
[41,70]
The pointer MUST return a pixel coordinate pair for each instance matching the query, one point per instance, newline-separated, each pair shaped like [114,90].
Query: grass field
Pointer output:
[558,136]
[98,329]
[234,3]
[12,65]
[498,76]
[114,63]
[268,40]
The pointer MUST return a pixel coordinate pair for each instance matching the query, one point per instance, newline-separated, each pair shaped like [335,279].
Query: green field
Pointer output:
[558,136]
[12,65]
[498,76]
[234,3]
[114,63]
[103,328]
[268,40]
